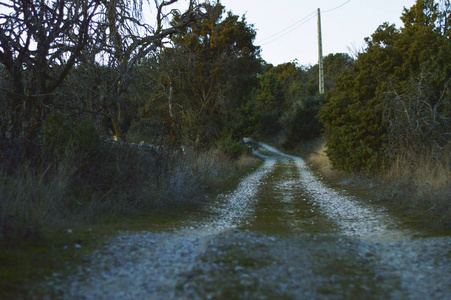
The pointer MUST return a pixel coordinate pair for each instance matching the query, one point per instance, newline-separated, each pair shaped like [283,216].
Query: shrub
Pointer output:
[35,196]
[419,118]
[231,147]
[358,137]
[269,123]
[301,122]
[59,131]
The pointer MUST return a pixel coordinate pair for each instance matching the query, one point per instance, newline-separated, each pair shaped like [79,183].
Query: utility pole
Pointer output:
[320,56]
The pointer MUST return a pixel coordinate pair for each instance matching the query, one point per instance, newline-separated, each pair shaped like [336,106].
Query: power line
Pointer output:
[291,26]
[281,36]
[343,4]
[296,25]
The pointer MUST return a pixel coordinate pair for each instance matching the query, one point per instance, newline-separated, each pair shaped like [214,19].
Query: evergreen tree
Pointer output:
[215,65]
[359,113]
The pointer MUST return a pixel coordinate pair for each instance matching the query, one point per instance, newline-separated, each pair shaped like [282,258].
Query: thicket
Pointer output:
[287,99]
[390,114]
[396,97]
[100,180]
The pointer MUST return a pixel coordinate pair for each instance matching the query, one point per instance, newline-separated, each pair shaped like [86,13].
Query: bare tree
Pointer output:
[417,118]
[128,40]
[40,42]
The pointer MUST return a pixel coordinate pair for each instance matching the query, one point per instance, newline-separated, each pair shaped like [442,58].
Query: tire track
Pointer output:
[352,217]
[150,265]
[281,233]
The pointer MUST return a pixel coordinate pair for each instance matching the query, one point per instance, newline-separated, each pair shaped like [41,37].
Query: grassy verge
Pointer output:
[417,187]
[54,212]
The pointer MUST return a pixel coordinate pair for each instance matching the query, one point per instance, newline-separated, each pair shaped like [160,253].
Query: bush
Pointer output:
[35,196]
[302,123]
[59,131]
[269,123]
[419,118]
[358,136]
[232,148]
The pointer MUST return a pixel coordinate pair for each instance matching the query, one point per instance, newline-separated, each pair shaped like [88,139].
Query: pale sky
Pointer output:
[343,28]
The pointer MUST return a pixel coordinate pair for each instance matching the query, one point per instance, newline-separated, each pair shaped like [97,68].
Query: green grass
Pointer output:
[25,261]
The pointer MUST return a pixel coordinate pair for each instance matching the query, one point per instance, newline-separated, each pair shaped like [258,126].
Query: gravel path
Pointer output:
[281,234]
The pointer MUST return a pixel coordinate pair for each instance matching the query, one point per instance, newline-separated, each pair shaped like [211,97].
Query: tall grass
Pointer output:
[75,187]
[190,174]
[315,153]
[418,180]
[34,195]
[422,179]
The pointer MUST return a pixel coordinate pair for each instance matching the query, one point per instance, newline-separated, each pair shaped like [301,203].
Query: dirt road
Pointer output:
[282,234]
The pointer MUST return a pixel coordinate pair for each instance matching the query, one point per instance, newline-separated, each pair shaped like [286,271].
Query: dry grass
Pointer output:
[77,189]
[315,154]
[122,189]
[34,195]
[246,162]
[196,173]
[422,180]
[184,175]
[418,183]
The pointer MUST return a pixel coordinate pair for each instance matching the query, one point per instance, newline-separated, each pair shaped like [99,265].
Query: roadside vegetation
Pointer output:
[60,208]
[389,116]
[123,119]
[108,126]
[419,192]
[385,119]
[104,118]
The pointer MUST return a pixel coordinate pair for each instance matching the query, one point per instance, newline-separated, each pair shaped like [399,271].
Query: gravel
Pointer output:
[368,254]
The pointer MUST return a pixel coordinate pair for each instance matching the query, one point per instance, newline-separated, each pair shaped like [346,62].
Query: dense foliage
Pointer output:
[287,98]
[42,42]
[210,72]
[397,94]
[195,78]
